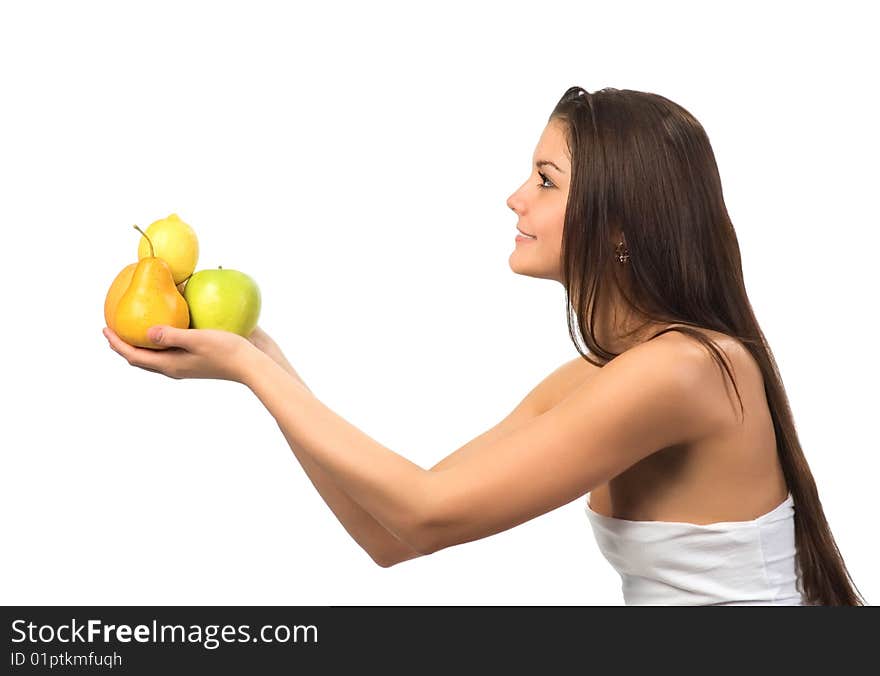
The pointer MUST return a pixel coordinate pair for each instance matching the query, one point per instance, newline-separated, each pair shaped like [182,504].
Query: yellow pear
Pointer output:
[151,298]
[117,288]
[175,242]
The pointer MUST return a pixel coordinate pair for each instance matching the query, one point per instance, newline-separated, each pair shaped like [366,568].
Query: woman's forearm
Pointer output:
[382,546]
[398,493]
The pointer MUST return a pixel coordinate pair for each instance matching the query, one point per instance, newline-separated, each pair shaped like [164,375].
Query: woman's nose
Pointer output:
[513,203]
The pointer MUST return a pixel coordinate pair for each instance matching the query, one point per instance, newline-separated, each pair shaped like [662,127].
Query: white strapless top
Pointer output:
[728,563]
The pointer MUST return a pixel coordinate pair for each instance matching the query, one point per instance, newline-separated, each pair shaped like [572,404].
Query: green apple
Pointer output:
[223,299]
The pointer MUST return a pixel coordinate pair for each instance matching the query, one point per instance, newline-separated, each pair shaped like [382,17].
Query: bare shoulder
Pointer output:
[707,376]
[671,347]
[671,354]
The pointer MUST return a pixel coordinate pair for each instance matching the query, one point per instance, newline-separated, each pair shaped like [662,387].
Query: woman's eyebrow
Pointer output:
[541,163]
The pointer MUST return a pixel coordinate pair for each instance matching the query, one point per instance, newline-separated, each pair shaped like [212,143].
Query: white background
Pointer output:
[356,159]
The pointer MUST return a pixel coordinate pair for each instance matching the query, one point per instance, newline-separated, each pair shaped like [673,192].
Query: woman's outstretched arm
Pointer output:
[655,395]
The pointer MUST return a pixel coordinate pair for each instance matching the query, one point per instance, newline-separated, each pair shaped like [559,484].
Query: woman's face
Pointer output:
[540,205]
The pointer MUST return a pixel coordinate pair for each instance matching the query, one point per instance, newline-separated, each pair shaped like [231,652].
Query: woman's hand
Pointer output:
[191,353]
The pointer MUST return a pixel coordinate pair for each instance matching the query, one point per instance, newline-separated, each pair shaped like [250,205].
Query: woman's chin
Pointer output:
[520,268]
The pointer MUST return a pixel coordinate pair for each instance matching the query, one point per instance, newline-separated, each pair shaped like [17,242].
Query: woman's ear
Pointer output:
[617,236]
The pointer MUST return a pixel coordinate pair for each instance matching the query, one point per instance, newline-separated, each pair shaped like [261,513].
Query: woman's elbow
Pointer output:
[387,561]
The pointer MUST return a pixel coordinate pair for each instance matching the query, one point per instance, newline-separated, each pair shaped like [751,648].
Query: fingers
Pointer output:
[170,336]
[136,356]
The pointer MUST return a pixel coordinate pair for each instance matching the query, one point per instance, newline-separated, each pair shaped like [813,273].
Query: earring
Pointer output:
[622,252]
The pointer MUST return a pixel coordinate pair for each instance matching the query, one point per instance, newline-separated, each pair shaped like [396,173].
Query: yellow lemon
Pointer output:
[175,242]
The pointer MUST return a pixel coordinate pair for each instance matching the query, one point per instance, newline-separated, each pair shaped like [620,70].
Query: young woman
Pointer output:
[694,496]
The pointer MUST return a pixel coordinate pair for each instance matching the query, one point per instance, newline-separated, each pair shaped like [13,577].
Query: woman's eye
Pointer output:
[544,179]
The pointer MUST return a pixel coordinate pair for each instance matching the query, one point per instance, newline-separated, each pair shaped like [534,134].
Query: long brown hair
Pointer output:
[644,164]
